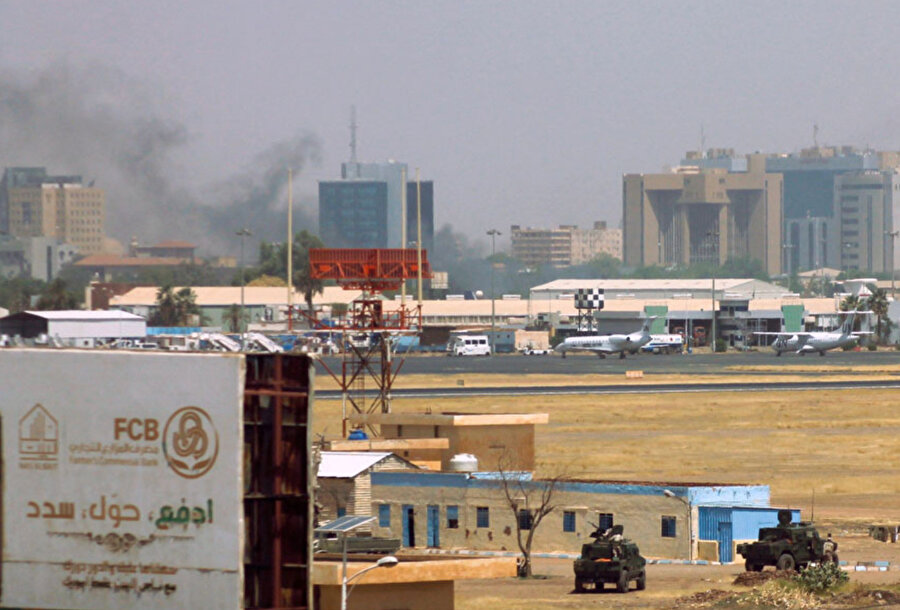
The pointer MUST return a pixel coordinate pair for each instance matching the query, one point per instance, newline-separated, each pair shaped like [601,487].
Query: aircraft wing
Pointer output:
[785,334]
[603,349]
[856,333]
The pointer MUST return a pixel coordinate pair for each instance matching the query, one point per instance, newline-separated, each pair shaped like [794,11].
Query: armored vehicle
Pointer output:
[610,558]
[788,546]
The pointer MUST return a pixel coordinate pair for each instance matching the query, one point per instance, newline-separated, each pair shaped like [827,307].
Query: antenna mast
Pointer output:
[816,135]
[352,134]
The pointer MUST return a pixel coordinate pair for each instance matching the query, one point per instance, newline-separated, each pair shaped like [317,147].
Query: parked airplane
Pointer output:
[817,341]
[603,345]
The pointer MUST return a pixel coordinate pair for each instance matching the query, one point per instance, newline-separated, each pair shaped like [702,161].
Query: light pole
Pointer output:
[892,235]
[715,248]
[493,233]
[245,232]
[671,494]
[385,562]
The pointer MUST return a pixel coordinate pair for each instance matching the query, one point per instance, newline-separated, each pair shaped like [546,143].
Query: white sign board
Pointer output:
[122,479]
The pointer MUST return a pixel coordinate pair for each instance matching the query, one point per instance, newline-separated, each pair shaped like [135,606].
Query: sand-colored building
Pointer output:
[704,216]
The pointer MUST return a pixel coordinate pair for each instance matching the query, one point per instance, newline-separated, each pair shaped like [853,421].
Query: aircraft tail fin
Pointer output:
[648,322]
[847,326]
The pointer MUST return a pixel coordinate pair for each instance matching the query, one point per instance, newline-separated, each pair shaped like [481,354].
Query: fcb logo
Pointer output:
[190,442]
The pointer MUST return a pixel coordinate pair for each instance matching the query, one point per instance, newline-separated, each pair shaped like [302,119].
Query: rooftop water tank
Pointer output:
[463,462]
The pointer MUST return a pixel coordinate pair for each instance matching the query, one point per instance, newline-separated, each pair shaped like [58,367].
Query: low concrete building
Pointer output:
[345,484]
[667,520]
[415,583]
[494,439]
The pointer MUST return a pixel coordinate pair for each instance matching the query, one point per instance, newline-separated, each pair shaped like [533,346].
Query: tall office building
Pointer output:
[866,208]
[35,204]
[365,208]
[812,226]
[694,215]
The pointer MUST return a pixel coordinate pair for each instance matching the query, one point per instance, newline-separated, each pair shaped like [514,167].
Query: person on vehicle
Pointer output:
[829,546]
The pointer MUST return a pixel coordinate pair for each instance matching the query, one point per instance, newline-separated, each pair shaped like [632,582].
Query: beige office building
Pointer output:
[691,216]
[70,212]
[565,246]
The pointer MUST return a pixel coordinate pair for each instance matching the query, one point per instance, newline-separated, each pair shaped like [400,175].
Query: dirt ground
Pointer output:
[665,584]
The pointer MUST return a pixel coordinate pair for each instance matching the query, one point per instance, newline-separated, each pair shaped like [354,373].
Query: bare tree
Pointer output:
[530,501]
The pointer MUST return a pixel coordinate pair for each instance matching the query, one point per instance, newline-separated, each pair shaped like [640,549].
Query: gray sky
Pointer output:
[521,112]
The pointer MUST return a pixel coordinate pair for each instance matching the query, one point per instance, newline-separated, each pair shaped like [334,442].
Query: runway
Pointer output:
[700,362]
[688,365]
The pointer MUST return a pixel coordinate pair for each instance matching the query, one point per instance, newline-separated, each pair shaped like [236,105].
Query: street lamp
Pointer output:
[493,233]
[245,232]
[715,247]
[671,494]
[385,562]
[892,235]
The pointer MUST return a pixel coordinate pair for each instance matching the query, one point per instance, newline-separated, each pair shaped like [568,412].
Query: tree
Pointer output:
[878,304]
[186,306]
[530,501]
[233,318]
[166,312]
[56,297]
[273,262]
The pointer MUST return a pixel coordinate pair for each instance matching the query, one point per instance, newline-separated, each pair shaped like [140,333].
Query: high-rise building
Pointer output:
[365,208]
[866,208]
[35,204]
[812,226]
[565,246]
[694,215]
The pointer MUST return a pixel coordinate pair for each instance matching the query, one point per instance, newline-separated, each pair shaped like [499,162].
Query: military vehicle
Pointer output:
[610,558]
[788,546]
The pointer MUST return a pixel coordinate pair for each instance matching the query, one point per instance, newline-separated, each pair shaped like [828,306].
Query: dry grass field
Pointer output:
[844,445]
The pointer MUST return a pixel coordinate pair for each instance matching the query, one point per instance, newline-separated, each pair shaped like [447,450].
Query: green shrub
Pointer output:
[821,577]
[721,345]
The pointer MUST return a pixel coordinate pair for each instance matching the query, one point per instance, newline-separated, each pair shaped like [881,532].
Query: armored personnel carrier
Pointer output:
[610,558]
[788,546]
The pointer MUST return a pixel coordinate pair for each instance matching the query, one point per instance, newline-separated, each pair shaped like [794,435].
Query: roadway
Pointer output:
[699,362]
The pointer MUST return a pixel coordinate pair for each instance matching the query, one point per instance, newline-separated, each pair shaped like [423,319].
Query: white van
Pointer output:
[470,345]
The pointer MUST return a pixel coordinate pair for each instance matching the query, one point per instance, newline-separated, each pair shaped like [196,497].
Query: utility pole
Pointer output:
[245,232]
[892,235]
[290,252]
[493,233]
[715,248]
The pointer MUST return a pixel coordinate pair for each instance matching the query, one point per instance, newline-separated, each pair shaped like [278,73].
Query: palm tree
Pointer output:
[56,297]
[233,318]
[186,305]
[166,313]
[302,280]
[850,303]
[878,304]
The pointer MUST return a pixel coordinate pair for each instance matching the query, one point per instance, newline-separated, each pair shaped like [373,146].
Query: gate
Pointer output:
[724,538]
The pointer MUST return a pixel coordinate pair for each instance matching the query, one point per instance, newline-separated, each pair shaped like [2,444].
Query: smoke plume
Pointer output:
[99,122]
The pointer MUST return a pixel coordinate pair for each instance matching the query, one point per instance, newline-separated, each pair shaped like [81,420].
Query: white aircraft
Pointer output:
[603,345]
[817,341]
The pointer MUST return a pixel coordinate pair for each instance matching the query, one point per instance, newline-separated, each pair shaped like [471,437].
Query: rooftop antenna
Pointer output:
[816,135]
[702,142]
[352,134]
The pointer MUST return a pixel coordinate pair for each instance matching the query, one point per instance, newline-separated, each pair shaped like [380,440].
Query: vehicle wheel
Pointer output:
[785,562]
[642,581]
[751,567]
[622,584]
[579,585]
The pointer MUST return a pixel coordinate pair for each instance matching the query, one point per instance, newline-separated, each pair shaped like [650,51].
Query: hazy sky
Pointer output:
[521,112]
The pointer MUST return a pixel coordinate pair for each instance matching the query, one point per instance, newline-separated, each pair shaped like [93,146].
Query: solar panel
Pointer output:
[344,524]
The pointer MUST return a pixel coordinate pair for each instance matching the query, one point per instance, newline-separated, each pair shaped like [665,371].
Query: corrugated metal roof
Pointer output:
[348,464]
[77,314]
[658,284]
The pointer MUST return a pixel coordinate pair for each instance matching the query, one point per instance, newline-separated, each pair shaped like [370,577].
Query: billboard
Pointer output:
[122,479]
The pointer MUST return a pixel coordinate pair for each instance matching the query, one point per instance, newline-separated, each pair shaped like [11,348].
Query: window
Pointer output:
[569,521]
[453,517]
[668,527]
[483,517]
[604,521]
[384,515]
[341,511]
[525,519]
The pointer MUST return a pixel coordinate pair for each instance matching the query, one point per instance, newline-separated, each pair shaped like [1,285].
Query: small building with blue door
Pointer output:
[455,510]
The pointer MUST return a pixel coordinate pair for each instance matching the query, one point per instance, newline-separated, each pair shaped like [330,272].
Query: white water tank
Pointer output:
[463,462]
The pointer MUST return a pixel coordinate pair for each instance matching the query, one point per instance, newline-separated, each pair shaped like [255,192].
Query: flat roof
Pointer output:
[348,464]
[79,314]
[416,569]
[451,419]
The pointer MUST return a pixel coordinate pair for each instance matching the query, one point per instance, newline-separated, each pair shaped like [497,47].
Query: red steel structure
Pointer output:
[370,331]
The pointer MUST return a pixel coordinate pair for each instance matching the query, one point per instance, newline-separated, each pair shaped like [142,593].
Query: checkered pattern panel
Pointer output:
[589,298]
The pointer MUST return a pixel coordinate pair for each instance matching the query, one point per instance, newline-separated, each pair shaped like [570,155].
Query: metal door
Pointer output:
[408,518]
[434,526]
[724,537]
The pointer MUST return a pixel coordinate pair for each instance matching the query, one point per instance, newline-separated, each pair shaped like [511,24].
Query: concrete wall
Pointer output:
[639,508]
[397,596]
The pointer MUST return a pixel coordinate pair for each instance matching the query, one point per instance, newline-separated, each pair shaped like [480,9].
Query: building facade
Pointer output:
[703,216]
[364,209]
[565,246]
[864,208]
[35,204]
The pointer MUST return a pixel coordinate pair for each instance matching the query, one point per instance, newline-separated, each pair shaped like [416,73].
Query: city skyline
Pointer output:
[523,114]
